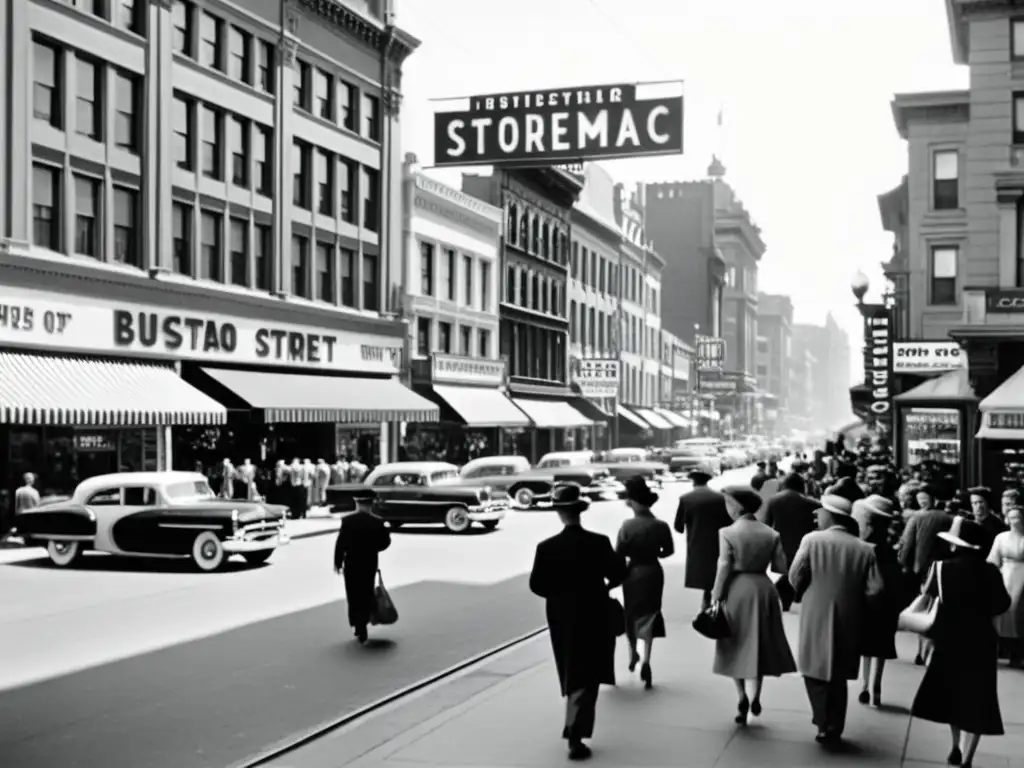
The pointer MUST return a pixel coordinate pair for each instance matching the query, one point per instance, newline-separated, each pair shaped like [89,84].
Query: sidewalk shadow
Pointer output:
[102,563]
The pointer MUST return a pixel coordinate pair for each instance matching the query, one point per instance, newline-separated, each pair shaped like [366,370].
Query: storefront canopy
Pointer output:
[656,421]
[552,414]
[673,418]
[631,418]
[952,386]
[590,410]
[1003,410]
[84,392]
[482,407]
[298,398]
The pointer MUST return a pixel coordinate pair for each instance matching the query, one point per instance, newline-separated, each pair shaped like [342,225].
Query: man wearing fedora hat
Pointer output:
[701,514]
[361,538]
[834,571]
[573,571]
[792,515]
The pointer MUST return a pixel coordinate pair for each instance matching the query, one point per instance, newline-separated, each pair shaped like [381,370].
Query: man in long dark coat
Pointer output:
[701,515]
[792,514]
[361,538]
[573,572]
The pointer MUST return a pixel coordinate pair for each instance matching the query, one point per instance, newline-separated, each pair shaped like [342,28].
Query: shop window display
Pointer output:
[454,444]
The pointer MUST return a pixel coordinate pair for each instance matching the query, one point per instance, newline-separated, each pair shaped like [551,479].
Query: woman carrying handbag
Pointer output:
[959,687]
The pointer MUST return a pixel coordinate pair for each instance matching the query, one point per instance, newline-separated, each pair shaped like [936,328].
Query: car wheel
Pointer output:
[524,497]
[207,552]
[457,520]
[258,558]
[64,554]
[489,525]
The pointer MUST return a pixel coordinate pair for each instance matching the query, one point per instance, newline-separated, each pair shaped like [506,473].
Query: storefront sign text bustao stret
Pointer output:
[557,126]
[31,318]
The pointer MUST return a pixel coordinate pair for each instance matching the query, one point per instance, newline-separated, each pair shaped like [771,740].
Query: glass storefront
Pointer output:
[453,443]
[931,435]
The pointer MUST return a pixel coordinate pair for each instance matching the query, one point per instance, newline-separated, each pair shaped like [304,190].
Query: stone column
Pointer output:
[1009,248]
[287,46]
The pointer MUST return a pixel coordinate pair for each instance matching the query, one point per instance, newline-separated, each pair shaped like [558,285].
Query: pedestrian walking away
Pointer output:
[834,571]
[792,515]
[361,539]
[26,497]
[756,647]
[959,687]
[701,515]
[878,644]
[643,541]
[573,571]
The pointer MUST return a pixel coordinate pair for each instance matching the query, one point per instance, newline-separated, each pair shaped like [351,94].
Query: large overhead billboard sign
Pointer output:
[568,125]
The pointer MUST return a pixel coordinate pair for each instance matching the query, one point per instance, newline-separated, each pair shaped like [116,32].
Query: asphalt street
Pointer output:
[138,665]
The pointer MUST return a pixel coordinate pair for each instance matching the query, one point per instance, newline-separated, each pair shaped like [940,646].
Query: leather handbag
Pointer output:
[384,611]
[711,623]
[616,617]
[919,616]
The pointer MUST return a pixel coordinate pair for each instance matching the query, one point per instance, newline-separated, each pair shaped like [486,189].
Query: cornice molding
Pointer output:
[399,45]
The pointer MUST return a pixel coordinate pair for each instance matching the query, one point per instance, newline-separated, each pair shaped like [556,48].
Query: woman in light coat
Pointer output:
[1007,554]
[756,647]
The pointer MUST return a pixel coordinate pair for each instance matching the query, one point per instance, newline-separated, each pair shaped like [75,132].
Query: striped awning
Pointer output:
[673,418]
[552,414]
[632,418]
[652,418]
[482,407]
[292,398]
[84,392]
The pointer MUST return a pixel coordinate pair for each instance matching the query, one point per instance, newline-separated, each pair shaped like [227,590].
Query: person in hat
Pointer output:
[643,540]
[361,538]
[760,476]
[701,514]
[756,647]
[919,547]
[1006,552]
[573,571]
[981,511]
[848,489]
[959,688]
[874,515]
[792,515]
[834,571]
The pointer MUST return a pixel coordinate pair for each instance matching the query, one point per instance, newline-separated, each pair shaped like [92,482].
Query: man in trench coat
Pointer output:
[834,571]
[361,538]
[573,572]
[793,516]
[701,515]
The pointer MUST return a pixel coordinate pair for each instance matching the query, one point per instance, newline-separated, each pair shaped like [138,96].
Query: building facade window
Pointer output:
[213,127]
[325,182]
[467,281]
[1018,118]
[265,67]
[325,272]
[449,268]
[239,240]
[1017,38]
[371,198]
[485,287]
[184,119]
[300,168]
[211,248]
[423,337]
[183,16]
[484,342]
[426,269]
[181,223]
[263,152]
[300,87]
[444,338]
[239,152]
[371,117]
[88,99]
[128,15]
[127,245]
[346,182]
[371,282]
[239,54]
[211,32]
[323,89]
[943,274]
[347,259]
[46,209]
[946,180]
[87,208]
[300,266]
[46,85]
[263,249]
[347,100]
[465,340]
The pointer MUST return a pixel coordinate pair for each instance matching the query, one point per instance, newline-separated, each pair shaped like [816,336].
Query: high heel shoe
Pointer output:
[741,711]
[645,675]
[634,659]
[919,660]
[755,707]
[955,756]
[864,698]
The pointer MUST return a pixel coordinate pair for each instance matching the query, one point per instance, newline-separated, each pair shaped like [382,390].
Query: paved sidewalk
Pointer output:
[508,713]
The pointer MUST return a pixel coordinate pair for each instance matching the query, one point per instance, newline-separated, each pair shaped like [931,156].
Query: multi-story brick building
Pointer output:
[774,358]
[213,187]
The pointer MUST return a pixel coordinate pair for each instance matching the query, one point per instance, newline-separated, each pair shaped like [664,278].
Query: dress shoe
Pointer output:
[741,711]
[865,697]
[876,697]
[579,751]
[634,659]
[919,660]
[755,707]
[955,756]
[645,675]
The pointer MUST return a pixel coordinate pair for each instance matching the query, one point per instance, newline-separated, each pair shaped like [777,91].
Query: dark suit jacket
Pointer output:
[361,537]
[992,526]
[573,572]
[701,515]
[792,515]
[920,545]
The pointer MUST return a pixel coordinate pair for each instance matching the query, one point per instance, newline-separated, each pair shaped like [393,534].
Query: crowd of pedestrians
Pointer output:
[855,542]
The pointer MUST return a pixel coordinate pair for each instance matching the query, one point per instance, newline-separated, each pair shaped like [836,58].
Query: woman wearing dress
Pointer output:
[1008,556]
[756,647]
[959,687]
[643,540]
[878,643]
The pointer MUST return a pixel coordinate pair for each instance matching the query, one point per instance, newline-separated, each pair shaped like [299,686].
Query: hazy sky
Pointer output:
[805,88]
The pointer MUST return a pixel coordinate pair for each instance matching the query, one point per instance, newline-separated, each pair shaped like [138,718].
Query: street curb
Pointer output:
[328,727]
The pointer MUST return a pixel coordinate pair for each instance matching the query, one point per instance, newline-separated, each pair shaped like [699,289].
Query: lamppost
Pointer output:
[859,285]
[878,344]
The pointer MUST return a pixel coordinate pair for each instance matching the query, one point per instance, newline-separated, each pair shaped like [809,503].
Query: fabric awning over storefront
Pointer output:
[552,414]
[673,418]
[652,418]
[954,385]
[301,398]
[630,417]
[83,392]
[1003,410]
[590,410]
[481,407]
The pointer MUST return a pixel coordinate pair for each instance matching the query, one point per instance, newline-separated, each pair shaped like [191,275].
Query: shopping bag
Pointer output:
[919,616]
[384,611]
[711,623]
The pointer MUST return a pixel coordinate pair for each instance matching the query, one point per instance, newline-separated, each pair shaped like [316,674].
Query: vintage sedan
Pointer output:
[686,456]
[424,493]
[154,514]
[532,489]
[565,459]
[654,472]
[495,472]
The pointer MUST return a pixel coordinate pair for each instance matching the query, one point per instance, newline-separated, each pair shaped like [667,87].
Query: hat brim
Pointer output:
[873,510]
[571,507]
[836,510]
[698,473]
[956,540]
[648,499]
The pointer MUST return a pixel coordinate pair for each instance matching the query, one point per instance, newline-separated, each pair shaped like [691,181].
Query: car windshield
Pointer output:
[554,463]
[446,476]
[189,490]
[692,451]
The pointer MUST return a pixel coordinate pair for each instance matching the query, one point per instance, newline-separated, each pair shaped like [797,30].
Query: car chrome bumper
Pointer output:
[255,542]
[486,514]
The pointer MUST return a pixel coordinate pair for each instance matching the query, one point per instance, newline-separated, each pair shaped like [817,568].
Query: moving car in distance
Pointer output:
[557,459]
[495,472]
[532,489]
[695,452]
[157,515]
[623,463]
[424,493]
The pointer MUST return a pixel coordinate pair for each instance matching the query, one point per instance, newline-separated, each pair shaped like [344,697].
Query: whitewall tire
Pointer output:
[457,520]
[207,552]
[64,554]
[524,497]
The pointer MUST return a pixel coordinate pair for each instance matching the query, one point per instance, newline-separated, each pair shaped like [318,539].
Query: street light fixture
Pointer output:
[859,285]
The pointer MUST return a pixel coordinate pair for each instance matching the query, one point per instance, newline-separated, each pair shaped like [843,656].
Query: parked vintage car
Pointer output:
[654,472]
[154,514]
[495,472]
[557,459]
[424,493]
[533,487]
[689,454]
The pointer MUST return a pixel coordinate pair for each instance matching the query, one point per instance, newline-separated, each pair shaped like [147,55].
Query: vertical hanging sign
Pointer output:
[878,361]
